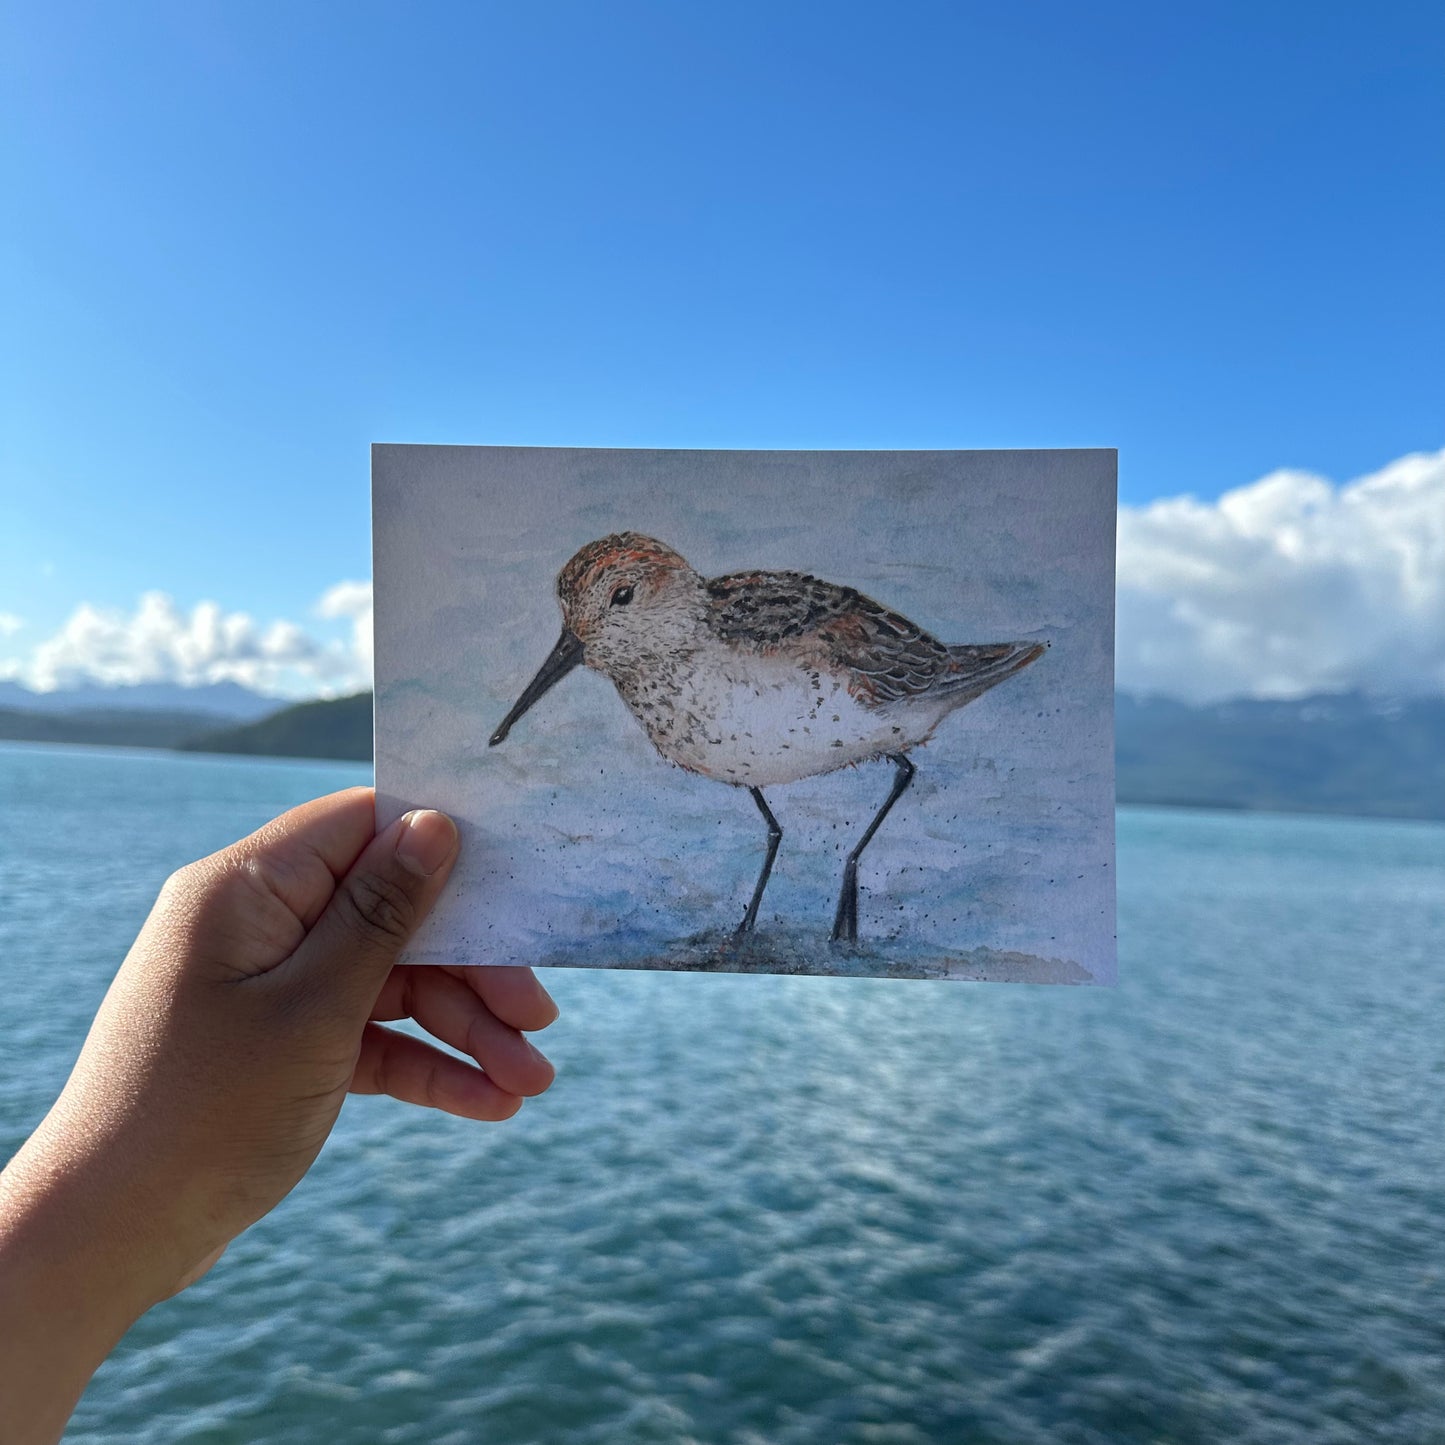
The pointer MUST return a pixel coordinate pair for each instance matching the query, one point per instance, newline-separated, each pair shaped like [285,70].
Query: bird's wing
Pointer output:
[981,666]
[885,656]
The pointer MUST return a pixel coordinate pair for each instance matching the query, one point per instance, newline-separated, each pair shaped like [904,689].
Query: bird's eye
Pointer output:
[622,597]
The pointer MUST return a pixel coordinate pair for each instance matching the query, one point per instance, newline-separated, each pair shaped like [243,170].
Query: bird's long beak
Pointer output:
[560,661]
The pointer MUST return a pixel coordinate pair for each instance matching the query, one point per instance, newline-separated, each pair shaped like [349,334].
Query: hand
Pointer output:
[219,1060]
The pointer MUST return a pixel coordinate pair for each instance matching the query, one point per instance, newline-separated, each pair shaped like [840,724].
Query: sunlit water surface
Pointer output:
[1204,1206]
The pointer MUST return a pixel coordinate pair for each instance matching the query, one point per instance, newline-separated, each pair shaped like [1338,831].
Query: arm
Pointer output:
[246,1010]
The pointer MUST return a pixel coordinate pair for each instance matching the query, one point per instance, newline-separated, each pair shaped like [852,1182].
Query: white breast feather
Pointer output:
[760,720]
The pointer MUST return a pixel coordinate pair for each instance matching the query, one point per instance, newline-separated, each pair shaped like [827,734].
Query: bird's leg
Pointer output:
[845,921]
[775,836]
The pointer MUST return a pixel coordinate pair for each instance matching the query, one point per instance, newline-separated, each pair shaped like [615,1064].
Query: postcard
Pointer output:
[755,711]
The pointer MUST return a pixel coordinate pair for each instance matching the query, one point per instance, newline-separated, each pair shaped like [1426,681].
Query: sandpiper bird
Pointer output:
[761,678]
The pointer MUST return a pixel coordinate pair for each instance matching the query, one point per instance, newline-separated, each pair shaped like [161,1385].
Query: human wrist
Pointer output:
[68,1247]
[69,1290]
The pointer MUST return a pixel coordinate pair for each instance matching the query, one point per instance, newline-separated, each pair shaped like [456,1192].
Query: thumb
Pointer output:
[376,908]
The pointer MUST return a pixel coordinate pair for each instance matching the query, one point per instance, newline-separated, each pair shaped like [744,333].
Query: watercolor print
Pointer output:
[786,712]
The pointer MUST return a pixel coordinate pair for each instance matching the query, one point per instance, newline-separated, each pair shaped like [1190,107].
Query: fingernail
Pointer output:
[426,842]
[542,1058]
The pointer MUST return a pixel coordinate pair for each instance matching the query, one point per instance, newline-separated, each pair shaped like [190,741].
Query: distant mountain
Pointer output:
[227,700]
[133,729]
[338,728]
[1343,753]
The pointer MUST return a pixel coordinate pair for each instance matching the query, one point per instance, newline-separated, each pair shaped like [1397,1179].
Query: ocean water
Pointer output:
[1208,1205]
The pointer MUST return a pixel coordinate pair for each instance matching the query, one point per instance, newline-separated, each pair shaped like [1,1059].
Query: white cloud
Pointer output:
[1288,586]
[353,600]
[10,624]
[160,642]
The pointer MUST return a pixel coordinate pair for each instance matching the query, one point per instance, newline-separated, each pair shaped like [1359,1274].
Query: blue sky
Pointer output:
[243,241]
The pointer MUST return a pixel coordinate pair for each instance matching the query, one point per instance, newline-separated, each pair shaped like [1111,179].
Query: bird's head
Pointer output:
[627,600]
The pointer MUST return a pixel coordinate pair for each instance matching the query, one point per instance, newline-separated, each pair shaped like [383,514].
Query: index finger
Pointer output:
[513,994]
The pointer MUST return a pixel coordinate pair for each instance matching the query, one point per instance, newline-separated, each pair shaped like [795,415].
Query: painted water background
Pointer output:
[1203,1206]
